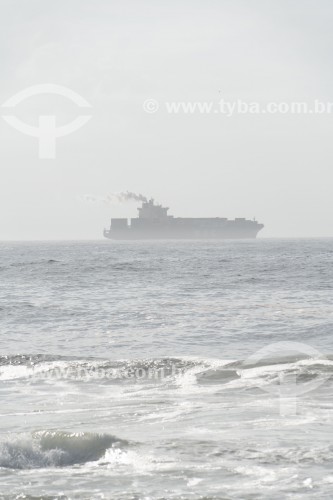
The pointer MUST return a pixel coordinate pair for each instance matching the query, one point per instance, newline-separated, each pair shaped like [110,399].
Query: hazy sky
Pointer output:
[117,54]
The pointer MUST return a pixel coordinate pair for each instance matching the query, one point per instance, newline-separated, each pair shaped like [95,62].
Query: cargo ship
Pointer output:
[154,222]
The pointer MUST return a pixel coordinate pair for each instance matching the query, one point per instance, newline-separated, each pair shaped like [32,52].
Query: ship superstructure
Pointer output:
[155,223]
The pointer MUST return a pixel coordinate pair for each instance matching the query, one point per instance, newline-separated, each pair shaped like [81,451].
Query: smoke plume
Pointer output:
[128,196]
[114,198]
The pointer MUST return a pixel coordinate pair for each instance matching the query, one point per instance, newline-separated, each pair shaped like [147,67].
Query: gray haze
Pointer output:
[116,55]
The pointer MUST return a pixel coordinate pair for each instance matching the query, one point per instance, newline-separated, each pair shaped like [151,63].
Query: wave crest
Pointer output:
[55,449]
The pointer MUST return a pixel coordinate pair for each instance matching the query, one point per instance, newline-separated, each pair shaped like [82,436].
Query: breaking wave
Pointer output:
[199,371]
[56,449]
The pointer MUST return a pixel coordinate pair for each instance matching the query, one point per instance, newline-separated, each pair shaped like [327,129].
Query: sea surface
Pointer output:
[166,370]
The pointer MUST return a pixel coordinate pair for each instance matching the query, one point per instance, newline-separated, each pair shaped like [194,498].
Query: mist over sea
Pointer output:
[126,372]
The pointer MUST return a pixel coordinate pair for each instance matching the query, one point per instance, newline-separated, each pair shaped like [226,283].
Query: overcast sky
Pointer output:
[118,54]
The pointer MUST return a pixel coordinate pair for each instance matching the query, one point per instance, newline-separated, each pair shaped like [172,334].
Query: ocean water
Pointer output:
[166,370]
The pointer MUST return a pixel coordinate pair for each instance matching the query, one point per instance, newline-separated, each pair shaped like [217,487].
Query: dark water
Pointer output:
[136,370]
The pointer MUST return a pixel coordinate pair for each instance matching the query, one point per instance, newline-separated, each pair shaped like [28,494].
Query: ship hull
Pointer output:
[131,234]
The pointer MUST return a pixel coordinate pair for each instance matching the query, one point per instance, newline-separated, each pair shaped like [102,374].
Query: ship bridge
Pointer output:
[151,211]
